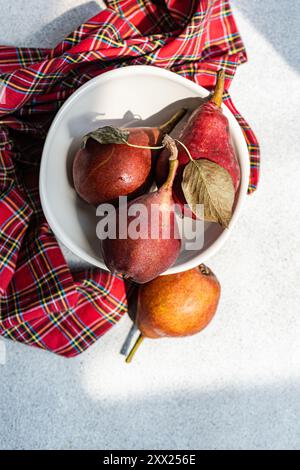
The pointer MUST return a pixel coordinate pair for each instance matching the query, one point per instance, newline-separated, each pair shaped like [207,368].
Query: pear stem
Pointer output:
[186,149]
[165,128]
[134,349]
[217,97]
[169,125]
[159,147]
[171,146]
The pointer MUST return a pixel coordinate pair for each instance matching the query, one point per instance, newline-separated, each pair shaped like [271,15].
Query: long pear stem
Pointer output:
[217,97]
[170,145]
[186,149]
[159,147]
[134,349]
[169,125]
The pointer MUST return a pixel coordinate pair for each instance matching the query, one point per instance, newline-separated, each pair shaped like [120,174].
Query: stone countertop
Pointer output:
[237,385]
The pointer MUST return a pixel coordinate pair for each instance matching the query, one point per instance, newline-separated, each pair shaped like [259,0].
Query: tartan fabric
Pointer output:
[41,302]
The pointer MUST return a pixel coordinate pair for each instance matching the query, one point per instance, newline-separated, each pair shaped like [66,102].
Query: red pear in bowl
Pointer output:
[116,162]
[208,164]
[142,258]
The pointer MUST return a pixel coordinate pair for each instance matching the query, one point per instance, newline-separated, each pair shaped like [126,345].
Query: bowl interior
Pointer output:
[140,95]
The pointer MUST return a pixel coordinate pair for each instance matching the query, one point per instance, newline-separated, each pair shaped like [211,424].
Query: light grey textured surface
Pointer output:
[235,386]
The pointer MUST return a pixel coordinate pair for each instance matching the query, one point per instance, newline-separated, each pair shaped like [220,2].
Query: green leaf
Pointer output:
[205,182]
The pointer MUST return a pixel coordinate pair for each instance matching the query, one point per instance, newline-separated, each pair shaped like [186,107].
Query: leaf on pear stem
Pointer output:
[107,135]
[205,182]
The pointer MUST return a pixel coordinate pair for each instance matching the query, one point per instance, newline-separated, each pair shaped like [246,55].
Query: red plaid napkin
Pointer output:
[41,302]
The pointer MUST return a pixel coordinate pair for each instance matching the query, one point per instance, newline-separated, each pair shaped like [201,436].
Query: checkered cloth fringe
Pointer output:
[41,302]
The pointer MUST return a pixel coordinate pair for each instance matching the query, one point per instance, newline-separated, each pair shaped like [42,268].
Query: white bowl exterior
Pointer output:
[105,100]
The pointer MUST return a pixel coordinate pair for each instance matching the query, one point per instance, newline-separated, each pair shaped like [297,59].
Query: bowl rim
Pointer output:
[243,156]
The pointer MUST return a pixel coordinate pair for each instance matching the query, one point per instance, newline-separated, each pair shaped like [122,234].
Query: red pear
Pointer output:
[206,136]
[143,258]
[113,162]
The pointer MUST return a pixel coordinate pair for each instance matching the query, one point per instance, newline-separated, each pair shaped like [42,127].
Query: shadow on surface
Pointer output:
[62,416]
[55,31]
[278,22]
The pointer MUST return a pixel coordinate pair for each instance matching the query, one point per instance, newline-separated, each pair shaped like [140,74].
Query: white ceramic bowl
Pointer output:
[119,98]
